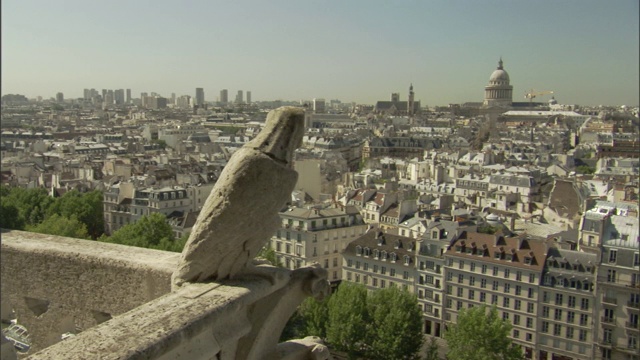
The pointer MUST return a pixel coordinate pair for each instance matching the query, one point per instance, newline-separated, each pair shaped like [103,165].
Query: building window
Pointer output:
[461,264]
[505,302]
[558,299]
[557,314]
[545,327]
[584,304]
[571,316]
[472,281]
[460,292]
[584,319]
[611,275]
[484,269]
[483,297]
[529,322]
[517,304]
[507,288]
[582,335]
[495,271]
[613,254]
[483,283]
[518,275]
[557,329]
[506,273]
[472,295]
[532,278]
[545,311]
[530,307]
[460,278]
[518,290]
[571,302]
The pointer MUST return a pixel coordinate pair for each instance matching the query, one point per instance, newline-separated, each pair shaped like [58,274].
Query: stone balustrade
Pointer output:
[119,301]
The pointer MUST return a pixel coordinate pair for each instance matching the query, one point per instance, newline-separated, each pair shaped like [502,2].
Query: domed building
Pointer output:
[499,93]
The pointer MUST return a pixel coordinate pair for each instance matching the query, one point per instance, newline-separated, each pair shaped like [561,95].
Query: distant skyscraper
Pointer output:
[410,105]
[224,96]
[60,97]
[104,93]
[173,98]
[118,96]
[87,94]
[239,96]
[199,96]
[248,97]
[318,106]
[128,100]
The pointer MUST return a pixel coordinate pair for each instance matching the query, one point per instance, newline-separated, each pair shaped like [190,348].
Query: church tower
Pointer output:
[410,103]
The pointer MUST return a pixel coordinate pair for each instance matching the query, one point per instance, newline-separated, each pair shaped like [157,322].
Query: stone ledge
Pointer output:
[57,285]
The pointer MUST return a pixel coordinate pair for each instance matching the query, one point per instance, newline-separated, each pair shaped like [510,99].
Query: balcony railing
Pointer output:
[631,325]
[608,320]
[633,304]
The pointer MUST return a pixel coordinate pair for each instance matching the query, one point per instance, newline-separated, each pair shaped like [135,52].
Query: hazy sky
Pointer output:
[352,50]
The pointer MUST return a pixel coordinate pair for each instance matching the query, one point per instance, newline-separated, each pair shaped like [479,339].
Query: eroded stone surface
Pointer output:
[241,213]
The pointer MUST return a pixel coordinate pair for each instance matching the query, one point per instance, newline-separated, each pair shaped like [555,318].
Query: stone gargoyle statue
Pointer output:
[238,219]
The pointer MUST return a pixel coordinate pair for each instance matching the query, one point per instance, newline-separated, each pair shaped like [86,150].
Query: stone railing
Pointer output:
[118,300]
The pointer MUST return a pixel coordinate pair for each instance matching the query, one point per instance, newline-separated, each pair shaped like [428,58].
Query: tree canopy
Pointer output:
[61,226]
[151,231]
[384,324]
[396,324]
[481,334]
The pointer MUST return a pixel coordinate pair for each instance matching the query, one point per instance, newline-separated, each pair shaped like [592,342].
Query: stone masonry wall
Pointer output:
[56,285]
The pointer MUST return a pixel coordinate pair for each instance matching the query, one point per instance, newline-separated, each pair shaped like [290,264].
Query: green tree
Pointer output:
[32,204]
[61,226]
[150,231]
[315,315]
[86,207]
[348,319]
[10,217]
[488,229]
[395,330]
[480,334]
[269,254]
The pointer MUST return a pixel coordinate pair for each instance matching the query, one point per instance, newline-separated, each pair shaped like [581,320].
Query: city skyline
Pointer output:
[355,51]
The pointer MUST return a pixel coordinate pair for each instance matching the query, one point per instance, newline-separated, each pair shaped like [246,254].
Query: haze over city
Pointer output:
[361,51]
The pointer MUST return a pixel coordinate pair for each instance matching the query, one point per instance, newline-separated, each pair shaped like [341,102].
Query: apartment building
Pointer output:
[567,316]
[618,286]
[379,260]
[315,235]
[501,271]
[124,203]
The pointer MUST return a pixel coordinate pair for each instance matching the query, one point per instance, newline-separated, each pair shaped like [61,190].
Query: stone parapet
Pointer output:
[55,285]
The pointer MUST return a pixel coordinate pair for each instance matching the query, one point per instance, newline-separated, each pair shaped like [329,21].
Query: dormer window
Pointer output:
[359,250]
[376,254]
[458,248]
[508,257]
[394,257]
[497,255]
[527,260]
[367,251]
[407,259]
[397,244]
[383,255]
